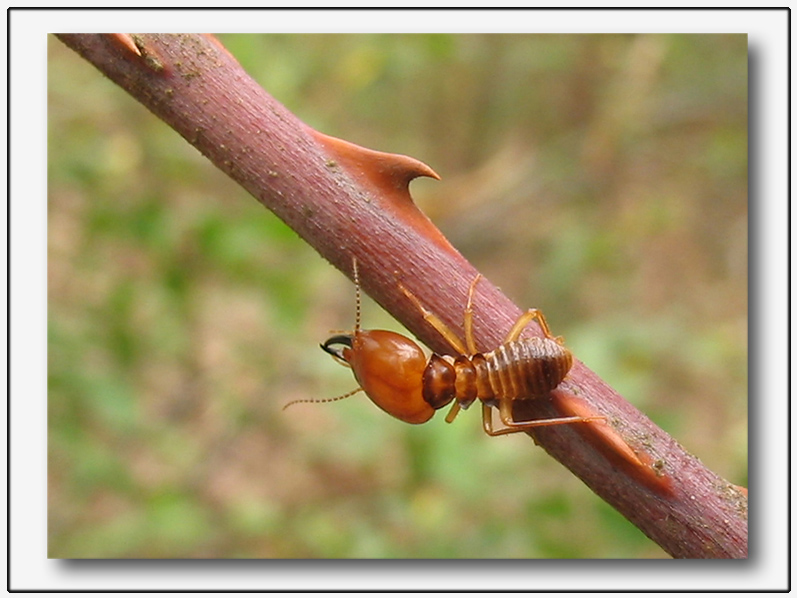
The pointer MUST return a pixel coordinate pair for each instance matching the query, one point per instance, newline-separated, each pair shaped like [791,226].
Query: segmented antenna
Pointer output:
[346,396]
[356,276]
[356,296]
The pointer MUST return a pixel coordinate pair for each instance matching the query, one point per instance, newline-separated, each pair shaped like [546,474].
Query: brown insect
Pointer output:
[395,374]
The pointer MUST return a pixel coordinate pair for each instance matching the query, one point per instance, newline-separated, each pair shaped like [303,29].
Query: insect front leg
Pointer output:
[438,324]
[467,318]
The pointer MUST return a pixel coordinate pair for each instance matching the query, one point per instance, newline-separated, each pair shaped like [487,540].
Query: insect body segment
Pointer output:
[395,374]
[389,368]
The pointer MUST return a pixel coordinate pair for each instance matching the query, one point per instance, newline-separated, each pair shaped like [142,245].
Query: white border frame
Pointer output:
[767,568]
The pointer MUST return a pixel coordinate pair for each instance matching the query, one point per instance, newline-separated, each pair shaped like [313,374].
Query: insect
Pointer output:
[396,375]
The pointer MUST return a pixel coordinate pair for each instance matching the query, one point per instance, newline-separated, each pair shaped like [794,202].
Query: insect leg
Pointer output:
[452,413]
[446,332]
[468,318]
[505,413]
[523,321]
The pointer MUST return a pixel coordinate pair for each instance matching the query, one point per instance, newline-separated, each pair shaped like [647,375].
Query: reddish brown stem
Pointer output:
[352,203]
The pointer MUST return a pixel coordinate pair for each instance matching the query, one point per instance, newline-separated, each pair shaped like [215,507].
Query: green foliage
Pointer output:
[602,179]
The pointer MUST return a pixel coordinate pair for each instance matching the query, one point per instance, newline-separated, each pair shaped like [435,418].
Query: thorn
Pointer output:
[125,40]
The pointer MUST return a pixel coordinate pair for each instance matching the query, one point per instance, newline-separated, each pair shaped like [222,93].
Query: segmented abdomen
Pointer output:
[526,368]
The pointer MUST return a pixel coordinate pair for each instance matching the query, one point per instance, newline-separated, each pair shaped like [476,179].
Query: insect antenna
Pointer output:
[356,296]
[338,398]
[334,354]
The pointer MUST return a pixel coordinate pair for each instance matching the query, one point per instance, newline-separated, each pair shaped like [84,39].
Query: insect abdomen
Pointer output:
[522,369]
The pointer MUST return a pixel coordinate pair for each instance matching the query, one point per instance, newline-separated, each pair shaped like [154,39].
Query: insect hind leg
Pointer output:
[523,321]
[511,426]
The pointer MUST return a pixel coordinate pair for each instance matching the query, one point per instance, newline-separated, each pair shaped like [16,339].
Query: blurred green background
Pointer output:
[602,178]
